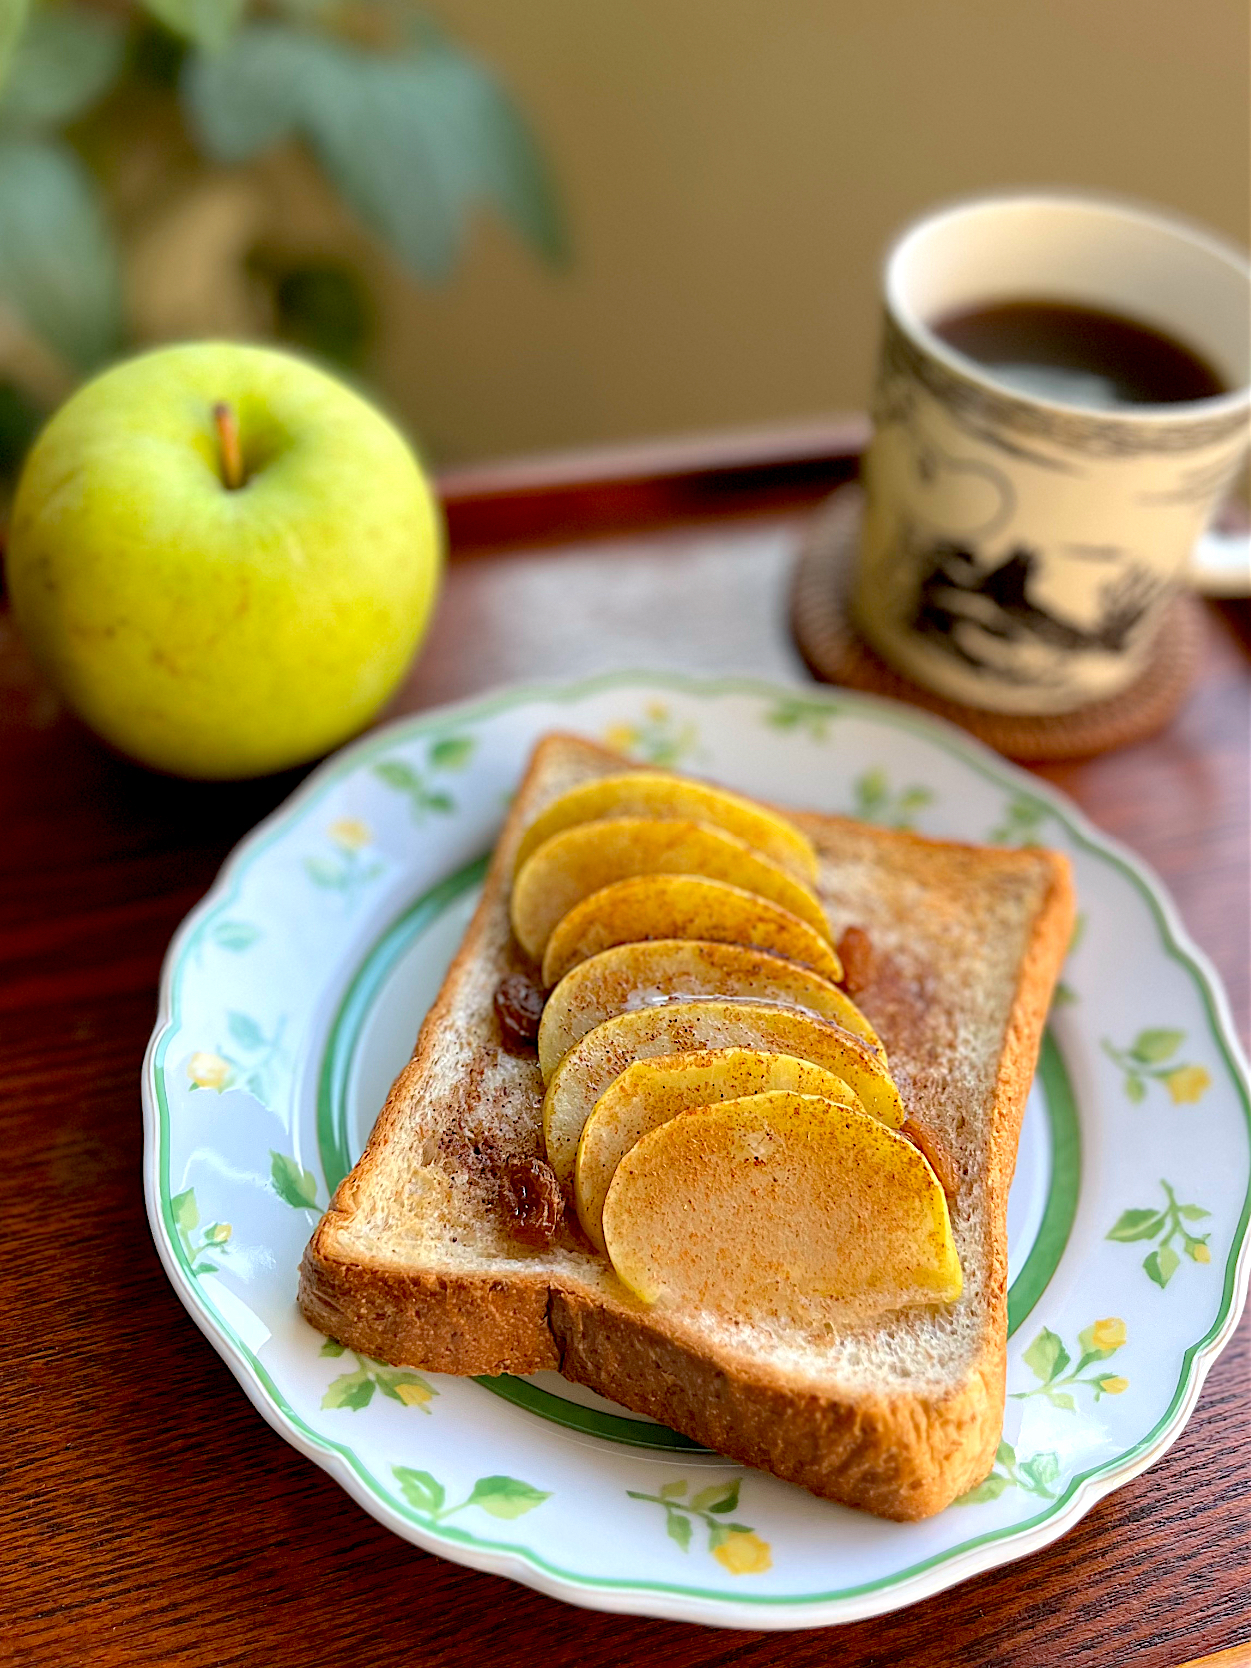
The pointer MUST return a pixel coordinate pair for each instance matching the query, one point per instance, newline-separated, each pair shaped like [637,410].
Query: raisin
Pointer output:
[857,955]
[519,1008]
[531,1200]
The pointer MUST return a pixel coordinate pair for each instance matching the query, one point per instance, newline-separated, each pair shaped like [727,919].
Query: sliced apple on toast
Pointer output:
[683,906]
[676,969]
[653,794]
[650,1092]
[779,1207]
[612,1047]
[569,866]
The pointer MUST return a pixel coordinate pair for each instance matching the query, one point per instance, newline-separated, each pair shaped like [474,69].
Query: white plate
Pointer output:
[292,995]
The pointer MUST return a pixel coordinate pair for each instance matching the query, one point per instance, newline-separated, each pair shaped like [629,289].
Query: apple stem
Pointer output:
[227,426]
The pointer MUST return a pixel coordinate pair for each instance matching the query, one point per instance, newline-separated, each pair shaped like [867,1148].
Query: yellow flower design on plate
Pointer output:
[744,1553]
[350,833]
[1108,1334]
[413,1394]
[208,1071]
[1114,1385]
[1187,1084]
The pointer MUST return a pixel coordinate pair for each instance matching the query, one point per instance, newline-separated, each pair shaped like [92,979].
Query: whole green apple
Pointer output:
[222,558]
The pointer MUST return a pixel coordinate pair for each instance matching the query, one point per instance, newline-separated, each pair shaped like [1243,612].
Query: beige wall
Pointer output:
[733,169]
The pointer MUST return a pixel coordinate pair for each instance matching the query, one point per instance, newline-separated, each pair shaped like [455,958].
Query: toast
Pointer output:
[414,1262]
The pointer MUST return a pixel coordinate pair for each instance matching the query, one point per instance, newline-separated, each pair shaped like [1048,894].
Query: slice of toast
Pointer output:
[414,1262]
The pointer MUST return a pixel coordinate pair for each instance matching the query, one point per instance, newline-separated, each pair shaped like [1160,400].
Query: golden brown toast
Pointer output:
[414,1262]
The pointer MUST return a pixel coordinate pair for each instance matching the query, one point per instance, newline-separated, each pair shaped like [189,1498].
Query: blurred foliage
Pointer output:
[412,132]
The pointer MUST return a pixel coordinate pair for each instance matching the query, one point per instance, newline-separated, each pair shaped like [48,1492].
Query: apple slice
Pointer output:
[780,1206]
[578,861]
[650,793]
[682,906]
[652,1091]
[674,969]
[683,1027]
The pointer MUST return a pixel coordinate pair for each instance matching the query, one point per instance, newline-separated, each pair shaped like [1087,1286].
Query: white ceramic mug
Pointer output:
[1018,553]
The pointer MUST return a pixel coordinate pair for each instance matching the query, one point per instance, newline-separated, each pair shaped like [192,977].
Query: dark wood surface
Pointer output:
[148,1515]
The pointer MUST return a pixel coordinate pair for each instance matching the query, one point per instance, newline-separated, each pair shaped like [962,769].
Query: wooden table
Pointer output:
[149,1516]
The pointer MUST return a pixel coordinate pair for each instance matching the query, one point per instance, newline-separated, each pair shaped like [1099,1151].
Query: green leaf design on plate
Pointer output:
[874,800]
[1152,1047]
[506,1497]
[991,1488]
[1160,1265]
[1136,1224]
[294,1186]
[419,1488]
[1150,1058]
[236,935]
[1047,1356]
[451,752]
[720,1497]
[710,1506]
[1167,1226]
[245,1031]
[350,1390]
[183,1208]
[1036,1475]
[331,1348]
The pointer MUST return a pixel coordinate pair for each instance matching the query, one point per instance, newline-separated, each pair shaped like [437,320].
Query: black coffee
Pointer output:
[1078,355]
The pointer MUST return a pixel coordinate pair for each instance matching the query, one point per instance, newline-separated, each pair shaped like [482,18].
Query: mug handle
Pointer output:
[1221,563]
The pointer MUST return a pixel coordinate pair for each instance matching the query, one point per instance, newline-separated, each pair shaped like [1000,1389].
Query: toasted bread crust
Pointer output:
[901,1454]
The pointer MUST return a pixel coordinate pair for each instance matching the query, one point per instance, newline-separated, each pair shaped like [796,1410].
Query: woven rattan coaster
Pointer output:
[820,591]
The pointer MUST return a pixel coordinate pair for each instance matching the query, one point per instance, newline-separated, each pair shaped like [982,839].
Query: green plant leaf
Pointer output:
[991,1488]
[63,62]
[183,1208]
[419,1488]
[205,1268]
[1063,995]
[719,1534]
[871,793]
[718,1497]
[294,1186]
[351,1390]
[206,23]
[1161,1264]
[1047,1356]
[1153,1047]
[409,140]
[439,802]
[236,935]
[13,15]
[1193,1213]
[1062,1399]
[505,1496]
[678,1527]
[672,1491]
[451,752]
[1136,1088]
[397,774]
[245,1031]
[59,272]
[1137,1224]
[331,1347]
[1005,1454]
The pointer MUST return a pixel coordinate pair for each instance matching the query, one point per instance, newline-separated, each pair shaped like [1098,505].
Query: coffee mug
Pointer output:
[1022,536]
